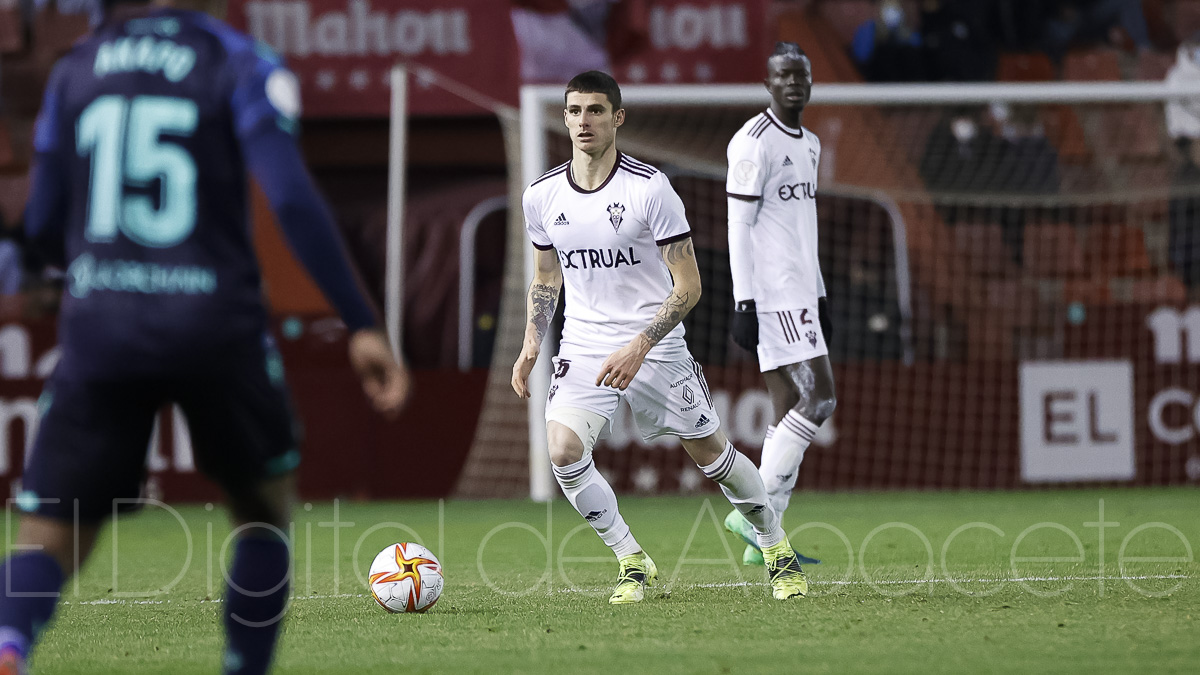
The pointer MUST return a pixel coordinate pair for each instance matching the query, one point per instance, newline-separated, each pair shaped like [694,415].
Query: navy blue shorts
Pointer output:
[92,442]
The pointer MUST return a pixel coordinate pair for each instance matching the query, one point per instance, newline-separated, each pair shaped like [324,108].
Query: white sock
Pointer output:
[781,456]
[743,487]
[595,500]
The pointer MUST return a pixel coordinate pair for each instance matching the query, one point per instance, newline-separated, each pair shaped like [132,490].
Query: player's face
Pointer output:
[789,79]
[591,121]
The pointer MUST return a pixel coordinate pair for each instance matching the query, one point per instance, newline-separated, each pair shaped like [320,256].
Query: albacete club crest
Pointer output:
[615,213]
[812,155]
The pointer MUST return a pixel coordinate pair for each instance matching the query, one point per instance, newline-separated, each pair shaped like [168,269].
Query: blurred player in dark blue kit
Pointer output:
[143,143]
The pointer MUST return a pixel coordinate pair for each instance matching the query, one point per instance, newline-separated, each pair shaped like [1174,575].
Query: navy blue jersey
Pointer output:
[145,128]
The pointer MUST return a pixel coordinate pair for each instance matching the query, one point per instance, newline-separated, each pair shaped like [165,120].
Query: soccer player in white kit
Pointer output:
[777,284]
[612,230]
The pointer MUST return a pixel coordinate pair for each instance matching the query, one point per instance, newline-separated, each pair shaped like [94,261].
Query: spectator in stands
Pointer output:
[1018,24]
[959,44]
[987,159]
[1071,22]
[889,48]
[1026,165]
[1183,125]
[958,159]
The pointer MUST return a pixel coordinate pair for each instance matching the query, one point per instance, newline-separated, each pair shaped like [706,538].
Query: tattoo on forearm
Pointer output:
[543,298]
[679,251]
[673,309]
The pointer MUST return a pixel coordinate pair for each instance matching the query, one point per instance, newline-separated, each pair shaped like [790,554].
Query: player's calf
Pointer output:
[33,578]
[572,432]
[740,482]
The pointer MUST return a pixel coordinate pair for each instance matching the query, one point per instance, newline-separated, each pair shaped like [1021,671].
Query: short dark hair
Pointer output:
[595,82]
[789,49]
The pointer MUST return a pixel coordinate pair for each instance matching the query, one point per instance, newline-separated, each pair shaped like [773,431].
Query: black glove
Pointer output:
[826,322]
[745,325]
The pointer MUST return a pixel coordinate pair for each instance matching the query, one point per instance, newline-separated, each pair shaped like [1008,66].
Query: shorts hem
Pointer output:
[594,409]
[779,362]
[685,436]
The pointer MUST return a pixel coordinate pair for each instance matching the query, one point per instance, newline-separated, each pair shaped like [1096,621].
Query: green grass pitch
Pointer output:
[911,582]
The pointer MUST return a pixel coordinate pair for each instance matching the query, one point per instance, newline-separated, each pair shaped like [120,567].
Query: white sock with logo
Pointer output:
[595,500]
[782,453]
[743,487]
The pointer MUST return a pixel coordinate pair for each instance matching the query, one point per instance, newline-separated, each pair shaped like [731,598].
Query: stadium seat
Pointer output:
[1153,65]
[1014,301]
[1166,289]
[1187,19]
[1066,133]
[1117,250]
[1052,250]
[1089,291]
[1149,179]
[1135,129]
[24,84]
[845,16]
[12,33]
[54,33]
[14,190]
[8,155]
[1024,67]
[981,246]
[1092,65]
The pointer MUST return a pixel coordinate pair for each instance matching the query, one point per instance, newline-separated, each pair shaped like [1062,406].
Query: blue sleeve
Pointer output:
[265,102]
[46,209]
[265,93]
[276,163]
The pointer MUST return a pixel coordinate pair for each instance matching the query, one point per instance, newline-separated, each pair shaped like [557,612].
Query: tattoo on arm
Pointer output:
[543,298]
[678,251]
[679,302]
[673,309]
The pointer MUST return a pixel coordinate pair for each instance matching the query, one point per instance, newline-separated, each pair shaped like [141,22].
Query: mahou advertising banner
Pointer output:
[343,50]
[699,41]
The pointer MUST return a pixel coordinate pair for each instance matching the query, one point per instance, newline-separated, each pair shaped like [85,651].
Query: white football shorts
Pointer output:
[788,337]
[668,398]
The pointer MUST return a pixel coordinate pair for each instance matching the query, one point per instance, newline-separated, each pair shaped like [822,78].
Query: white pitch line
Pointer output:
[723,584]
[893,582]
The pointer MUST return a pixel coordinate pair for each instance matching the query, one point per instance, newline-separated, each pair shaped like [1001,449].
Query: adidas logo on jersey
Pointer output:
[702,421]
[561,219]
[787,161]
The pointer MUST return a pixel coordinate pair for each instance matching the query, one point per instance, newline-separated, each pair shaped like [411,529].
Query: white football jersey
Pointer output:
[778,166]
[607,241]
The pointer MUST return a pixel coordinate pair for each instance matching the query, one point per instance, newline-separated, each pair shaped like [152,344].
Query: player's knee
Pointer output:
[823,407]
[264,507]
[59,540]
[571,434]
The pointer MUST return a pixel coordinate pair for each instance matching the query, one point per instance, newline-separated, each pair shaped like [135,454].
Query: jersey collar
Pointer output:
[575,187]
[794,133]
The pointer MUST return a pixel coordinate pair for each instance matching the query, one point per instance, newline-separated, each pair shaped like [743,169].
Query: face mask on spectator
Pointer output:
[963,129]
[893,16]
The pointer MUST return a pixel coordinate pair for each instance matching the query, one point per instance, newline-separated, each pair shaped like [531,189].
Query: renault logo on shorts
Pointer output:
[688,397]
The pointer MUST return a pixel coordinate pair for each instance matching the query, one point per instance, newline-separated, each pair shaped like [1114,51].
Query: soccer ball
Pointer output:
[406,578]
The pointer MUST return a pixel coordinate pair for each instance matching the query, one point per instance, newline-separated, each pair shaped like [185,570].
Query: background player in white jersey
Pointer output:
[612,230]
[777,284]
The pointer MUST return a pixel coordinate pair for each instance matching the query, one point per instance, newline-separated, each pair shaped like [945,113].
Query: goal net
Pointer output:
[1008,272]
